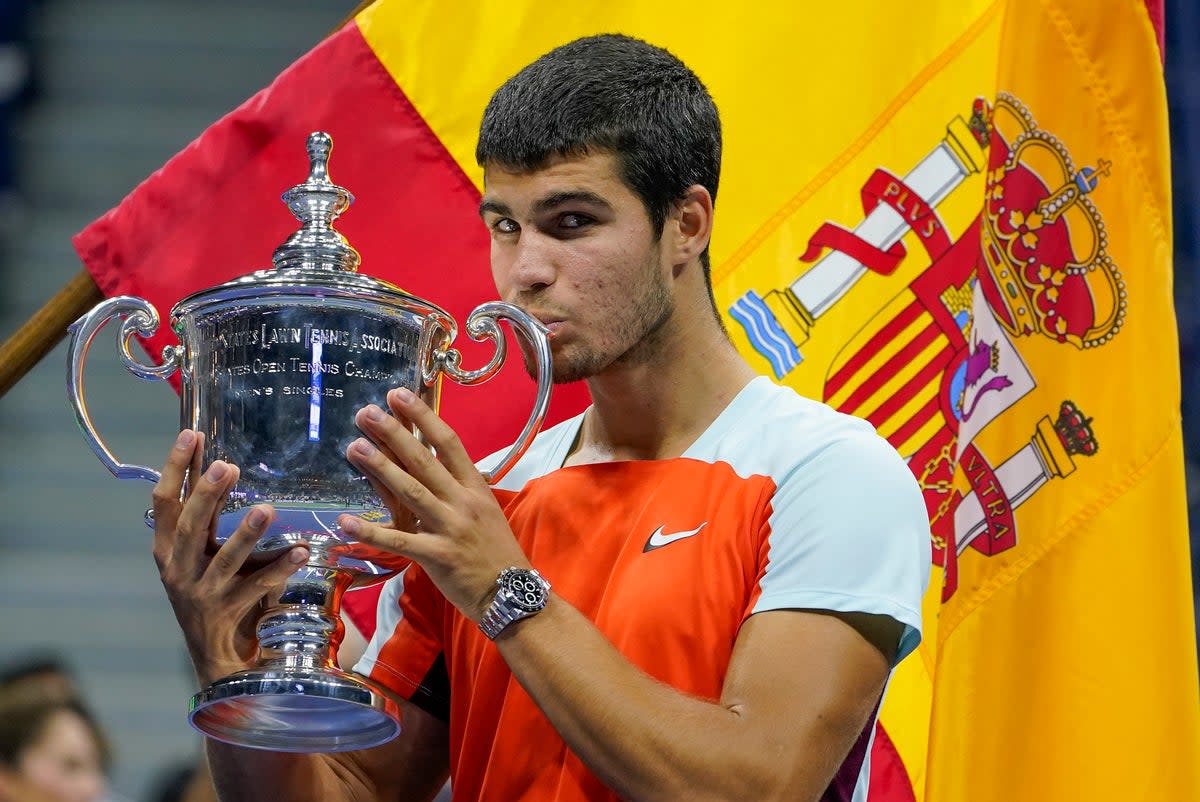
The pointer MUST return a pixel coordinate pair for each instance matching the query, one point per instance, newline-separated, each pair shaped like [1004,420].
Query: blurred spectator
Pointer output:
[51,750]
[40,677]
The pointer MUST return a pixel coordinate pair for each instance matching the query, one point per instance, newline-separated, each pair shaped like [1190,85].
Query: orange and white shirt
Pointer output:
[781,503]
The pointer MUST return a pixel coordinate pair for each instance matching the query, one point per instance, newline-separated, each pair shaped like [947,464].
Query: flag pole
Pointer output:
[45,328]
[38,336]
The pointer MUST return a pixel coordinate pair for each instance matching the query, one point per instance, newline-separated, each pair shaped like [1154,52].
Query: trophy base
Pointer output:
[295,710]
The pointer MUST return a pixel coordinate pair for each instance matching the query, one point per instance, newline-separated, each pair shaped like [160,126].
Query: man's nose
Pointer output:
[532,267]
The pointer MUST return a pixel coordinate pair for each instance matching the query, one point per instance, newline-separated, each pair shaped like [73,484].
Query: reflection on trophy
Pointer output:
[273,366]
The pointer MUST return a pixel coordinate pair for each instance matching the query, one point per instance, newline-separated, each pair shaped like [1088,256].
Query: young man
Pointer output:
[725,607]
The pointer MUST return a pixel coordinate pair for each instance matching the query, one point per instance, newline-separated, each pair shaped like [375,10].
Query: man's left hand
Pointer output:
[463,541]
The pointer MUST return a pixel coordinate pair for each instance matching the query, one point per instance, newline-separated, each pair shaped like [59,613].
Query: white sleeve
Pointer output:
[849,532]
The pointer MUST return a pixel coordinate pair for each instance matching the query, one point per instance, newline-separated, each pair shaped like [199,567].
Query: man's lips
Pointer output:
[552,322]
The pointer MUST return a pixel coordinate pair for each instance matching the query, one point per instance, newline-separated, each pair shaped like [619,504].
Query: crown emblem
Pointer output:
[1075,431]
[1043,240]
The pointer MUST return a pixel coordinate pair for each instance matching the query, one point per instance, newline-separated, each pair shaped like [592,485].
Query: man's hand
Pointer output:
[463,541]
[216,608]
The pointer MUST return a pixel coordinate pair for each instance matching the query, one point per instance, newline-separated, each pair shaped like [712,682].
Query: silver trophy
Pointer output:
[273,366]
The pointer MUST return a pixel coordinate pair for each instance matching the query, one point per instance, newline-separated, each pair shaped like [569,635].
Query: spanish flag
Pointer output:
[950,219]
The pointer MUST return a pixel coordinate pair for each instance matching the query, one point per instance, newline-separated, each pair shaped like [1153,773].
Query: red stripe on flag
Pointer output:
[881,338]
[890,368]
[889,778]
[213,213]
[1154,8]
[913,425]
[905,394]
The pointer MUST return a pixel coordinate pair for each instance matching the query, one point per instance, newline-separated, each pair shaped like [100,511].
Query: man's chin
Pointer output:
[560,374]
[562,370]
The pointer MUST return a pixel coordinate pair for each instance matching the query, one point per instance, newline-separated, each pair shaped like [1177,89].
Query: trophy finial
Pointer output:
[319,145]
[316,204]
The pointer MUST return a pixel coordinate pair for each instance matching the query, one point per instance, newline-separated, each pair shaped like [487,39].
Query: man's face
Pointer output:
[572,245]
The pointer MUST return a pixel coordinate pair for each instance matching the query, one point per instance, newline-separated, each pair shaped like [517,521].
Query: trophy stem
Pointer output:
[303,628]
[296,699]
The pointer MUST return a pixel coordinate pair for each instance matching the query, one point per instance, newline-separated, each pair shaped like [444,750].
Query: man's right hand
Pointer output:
[216,599]
[216,606]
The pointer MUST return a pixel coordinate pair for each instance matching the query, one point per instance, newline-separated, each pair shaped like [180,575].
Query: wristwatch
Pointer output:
[521,592]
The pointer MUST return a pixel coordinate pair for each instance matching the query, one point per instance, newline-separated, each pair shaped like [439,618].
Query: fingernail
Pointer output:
[185,439]
[350,524]
[216,471]
[405,395]
[374,413]
[363,447]
[298,556]
[257,517]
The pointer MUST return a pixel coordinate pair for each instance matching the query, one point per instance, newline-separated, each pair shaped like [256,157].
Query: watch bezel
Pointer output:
[515,583]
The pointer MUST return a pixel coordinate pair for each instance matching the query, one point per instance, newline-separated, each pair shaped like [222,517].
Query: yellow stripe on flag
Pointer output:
[769,71]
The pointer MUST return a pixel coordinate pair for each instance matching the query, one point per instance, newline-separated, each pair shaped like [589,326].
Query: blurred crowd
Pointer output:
[52,748]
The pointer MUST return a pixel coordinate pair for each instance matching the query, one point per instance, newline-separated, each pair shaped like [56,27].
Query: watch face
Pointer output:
[525,591]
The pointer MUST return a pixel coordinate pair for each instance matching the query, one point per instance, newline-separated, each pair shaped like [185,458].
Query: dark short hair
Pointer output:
[610,93]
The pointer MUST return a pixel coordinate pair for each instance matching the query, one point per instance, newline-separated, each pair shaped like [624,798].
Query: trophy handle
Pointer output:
[140,317]
[482,324]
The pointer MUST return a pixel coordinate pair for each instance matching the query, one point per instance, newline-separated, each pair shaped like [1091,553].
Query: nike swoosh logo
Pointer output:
[658,538]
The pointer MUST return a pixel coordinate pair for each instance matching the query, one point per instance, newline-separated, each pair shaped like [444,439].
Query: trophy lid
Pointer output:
[316,204]
[314,261]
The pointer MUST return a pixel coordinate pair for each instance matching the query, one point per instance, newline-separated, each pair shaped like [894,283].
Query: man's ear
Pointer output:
[689,225]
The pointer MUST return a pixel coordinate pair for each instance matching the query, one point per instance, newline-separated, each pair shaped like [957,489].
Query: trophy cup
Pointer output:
[273,365]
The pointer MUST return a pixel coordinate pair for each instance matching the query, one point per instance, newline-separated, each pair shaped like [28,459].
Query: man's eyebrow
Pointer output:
[494,206]
[555,199]
[551,201]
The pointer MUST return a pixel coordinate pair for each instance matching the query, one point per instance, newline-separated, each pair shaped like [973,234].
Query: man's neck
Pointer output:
[656,409]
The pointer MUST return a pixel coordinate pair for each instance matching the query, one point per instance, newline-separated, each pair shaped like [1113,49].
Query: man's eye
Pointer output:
[574,220]
[506,225]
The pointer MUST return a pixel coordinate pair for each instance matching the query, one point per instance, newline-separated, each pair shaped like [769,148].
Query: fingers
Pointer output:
[167,492]
[415,545]
[443,475]
[399,511]
[170,484]
[196,519]
[197,464]
[385,475]
[398,514]
[403,470]
[267,579]
[233,552]
[390,435]
[450,451]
